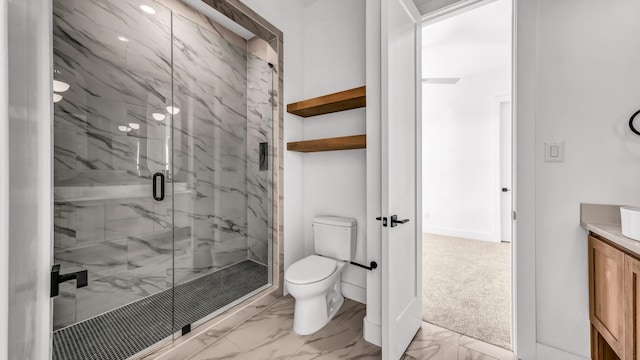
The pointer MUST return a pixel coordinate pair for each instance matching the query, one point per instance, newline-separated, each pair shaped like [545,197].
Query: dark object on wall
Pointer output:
[635,131]
[371,267]
[264,156]
[81,277]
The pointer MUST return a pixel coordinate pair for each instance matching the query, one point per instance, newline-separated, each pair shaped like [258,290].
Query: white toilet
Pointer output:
[315,281]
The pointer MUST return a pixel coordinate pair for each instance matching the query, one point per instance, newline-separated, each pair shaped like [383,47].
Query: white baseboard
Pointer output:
[354,292]
[461,233]
[372,332]
[546,352]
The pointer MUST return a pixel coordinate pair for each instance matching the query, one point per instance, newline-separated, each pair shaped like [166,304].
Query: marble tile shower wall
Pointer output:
[210,84]
[105,219]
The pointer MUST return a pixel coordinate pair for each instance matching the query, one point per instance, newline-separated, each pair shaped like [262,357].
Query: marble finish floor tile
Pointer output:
[485,348]
[407,357]
[468,354]
[221,349]
[270,335]
[434,342]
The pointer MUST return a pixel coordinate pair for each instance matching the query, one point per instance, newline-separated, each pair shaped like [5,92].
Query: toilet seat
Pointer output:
[309,270]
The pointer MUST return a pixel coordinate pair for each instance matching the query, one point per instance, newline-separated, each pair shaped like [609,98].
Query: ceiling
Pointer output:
[472,42]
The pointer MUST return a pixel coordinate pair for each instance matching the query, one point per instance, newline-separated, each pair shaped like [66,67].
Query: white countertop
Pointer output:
[604,220]
[613,233]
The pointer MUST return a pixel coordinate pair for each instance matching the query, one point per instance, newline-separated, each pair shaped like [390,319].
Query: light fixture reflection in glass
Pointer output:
[166,152]
[57,97]
[158,116]
[124,128]
[148,9]
[134,126]
[173,110]
[123,39]
[60,86]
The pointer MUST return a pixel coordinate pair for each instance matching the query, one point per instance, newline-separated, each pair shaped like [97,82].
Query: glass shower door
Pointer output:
[113,110]
[222,190]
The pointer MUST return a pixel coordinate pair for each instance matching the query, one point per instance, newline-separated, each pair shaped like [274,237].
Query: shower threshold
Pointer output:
[130,329]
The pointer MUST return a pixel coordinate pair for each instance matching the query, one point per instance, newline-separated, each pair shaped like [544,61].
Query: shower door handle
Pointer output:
[158,196]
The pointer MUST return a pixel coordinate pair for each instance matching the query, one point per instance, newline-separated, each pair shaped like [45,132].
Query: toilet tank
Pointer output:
[335,237]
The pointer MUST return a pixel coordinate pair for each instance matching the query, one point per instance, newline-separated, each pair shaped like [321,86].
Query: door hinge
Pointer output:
[514,215]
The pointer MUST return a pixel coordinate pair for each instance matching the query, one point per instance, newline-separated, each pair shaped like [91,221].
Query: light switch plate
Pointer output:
[554,151]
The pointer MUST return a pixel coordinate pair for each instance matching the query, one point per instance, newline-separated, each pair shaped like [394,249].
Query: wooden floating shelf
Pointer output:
[330,144]
[340,101]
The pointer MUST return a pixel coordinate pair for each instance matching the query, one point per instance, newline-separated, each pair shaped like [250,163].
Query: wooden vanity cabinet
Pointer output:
[606,294]
[614,302]
[632,308]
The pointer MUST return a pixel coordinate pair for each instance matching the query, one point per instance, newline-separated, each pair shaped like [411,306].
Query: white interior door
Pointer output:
[505,170]
[401,243]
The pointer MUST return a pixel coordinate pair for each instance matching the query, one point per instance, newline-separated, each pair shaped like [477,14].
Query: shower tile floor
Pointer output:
[128,330]
[269,335]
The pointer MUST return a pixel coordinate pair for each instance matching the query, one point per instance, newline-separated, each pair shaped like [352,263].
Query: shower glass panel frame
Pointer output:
[146,92]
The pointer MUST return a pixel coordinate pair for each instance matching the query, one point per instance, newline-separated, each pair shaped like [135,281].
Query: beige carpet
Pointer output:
[466,287]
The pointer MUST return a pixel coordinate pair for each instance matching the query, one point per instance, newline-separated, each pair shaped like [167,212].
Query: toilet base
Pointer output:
[313,314]
[316,303]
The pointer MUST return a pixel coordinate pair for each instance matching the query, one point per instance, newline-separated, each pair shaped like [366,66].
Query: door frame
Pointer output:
[523,323]
[498,101]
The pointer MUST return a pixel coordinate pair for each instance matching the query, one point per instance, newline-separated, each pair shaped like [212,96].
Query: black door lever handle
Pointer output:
[395,221]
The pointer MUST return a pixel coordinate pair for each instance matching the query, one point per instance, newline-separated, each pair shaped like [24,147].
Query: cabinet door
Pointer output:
[632,308]
[606,293]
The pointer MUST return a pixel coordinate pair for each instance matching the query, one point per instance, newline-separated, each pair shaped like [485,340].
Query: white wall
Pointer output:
[583,70]
[587,88]
[4,183]
[334,182]
[30,188]
[287,15]
[460,151]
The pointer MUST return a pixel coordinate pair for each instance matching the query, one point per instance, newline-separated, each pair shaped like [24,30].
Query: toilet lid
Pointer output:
[310,269]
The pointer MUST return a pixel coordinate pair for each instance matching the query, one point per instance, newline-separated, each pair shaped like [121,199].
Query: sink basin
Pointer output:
[630,220]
